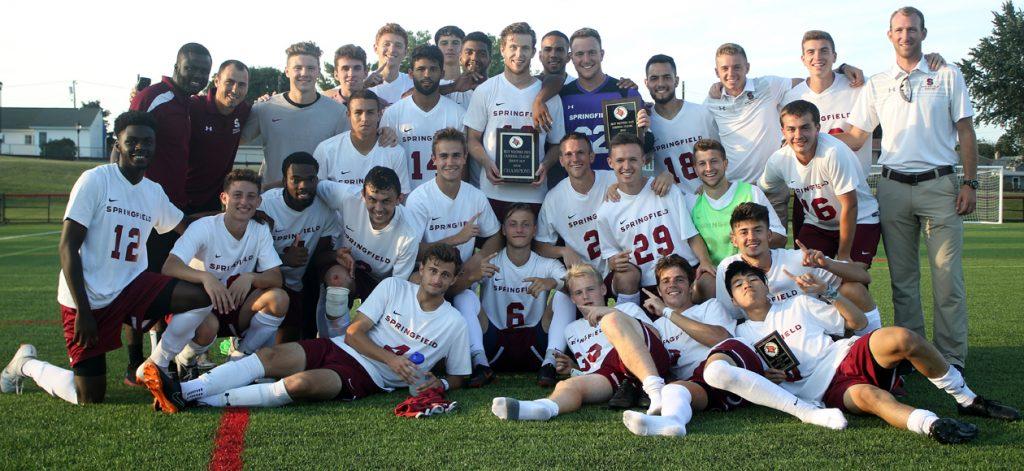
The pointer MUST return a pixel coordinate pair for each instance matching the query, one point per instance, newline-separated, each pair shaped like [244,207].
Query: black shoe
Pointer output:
[482,376]
[547,377]
[165,390]
[187,372]
[951,431]
[644,401]
[625,396]
[989,408]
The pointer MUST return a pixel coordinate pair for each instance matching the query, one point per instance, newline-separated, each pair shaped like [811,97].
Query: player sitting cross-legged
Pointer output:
[854,374]
[240,272]
[397,320]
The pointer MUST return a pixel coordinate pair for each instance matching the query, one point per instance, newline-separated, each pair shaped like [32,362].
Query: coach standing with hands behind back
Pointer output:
[922,113]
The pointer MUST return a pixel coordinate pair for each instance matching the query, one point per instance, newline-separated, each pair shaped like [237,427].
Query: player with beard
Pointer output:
[504,102]
[347,157]
[698,340]
[676,124]
[217,120]
[855,374]
[388,81]
[449,40]
[378,240]
[749,223]
[399,318]
[417,117]
[301,222]
[103,282]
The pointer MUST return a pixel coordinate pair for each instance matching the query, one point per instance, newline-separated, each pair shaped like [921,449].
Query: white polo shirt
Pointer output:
[920,135]
[749,125]
[834,104]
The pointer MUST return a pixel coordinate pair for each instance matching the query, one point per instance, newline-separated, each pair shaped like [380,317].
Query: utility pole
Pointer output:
[74,93]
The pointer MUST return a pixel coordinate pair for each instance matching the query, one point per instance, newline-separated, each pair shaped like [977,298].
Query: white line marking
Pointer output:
[23,252]
[29,235]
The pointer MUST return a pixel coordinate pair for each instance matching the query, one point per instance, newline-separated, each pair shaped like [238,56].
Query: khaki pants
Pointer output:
[905,212]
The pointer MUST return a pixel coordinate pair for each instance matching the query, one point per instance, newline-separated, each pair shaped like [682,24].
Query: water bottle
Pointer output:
[417,359]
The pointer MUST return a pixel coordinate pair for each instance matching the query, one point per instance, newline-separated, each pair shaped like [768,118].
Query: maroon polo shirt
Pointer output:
[169,105]
[215,139]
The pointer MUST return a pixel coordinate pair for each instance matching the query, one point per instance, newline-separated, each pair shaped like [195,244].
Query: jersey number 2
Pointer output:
[661,237]
[133,245]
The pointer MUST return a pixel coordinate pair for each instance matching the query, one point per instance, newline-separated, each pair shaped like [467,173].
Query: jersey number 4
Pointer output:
[417,174]
[642,252]
[133,239]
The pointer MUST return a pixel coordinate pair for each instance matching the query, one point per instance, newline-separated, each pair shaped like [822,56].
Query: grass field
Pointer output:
[43,432]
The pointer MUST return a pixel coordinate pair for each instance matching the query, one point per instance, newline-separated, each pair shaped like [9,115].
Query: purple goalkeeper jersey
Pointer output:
[582,112]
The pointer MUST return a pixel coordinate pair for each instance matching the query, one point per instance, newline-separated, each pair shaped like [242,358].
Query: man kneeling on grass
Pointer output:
[397,320]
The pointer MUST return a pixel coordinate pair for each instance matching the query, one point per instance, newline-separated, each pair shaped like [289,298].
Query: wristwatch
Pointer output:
[971,183]
[829,296]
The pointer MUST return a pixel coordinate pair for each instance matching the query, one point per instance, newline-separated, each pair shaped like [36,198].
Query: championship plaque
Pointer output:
[776,353]
[620,117]
[517,156]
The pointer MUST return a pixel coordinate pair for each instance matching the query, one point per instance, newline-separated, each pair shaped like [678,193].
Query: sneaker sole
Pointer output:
[151,378]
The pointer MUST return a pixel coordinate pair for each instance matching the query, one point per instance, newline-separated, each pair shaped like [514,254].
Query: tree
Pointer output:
[264,80]
[994,73]
[103,111]
[986,149]
[1007,147]
[60,149]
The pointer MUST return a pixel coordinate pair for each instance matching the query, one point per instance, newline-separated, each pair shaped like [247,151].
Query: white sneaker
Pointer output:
[11,378]
[204,363]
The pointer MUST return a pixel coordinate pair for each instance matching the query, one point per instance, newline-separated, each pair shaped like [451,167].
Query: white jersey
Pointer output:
[221,254]
[499,104]
[341,162]
[807,326]
[832,171]
[749,125]
[389,251]
[119,217]
[589,345]
[402,327]
[310,225]
[834,104]
[460,98]
[685,353]
[392,92]
[416,128]
[573,217]
[649,225]
[780,286]
[439,216]
[674,139]
[504,297]
[756,196]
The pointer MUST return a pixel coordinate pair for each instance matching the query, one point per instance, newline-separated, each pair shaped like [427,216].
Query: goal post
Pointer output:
[989,209]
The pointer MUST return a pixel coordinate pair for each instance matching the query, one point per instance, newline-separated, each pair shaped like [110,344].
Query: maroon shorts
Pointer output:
[295,312]
[501,207]
[745,358]
[865,241]
[140,304]
[615,371]
[520,349]
[323,354]
[228,321]
[859,367]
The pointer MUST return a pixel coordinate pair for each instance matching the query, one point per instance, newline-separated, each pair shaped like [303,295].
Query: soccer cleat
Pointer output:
[482,376]
[204,363]
[11,378]
[547,377]
[188,372]
[951,431]
[166,391]
[989,408]
[625,396]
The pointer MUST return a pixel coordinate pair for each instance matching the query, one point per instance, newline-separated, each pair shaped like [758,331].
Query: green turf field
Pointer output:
[42,432]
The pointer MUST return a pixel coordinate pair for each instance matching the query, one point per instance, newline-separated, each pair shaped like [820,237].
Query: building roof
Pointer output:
[27,118]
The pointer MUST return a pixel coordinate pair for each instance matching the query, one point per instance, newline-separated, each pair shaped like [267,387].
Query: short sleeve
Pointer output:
[722,293]
[633,310]
[169,215]
[715,314]
[555,270]
[376,303]
[335,194]
[960,100]
[774,223]
[771,178]
[402,169]
[476,113]
[545,229]
[487,221]
[823,313]
[85,198]
[609,247]
[321,157]
[778,86]
[685,222]
[456,360]
[557,131]
[864,115]
[416,209]
[843,169]
[191,242]
[268,257]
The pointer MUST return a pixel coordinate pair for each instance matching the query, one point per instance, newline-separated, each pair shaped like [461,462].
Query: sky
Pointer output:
[104,46]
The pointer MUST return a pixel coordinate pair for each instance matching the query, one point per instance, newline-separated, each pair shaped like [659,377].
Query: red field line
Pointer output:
[229,443]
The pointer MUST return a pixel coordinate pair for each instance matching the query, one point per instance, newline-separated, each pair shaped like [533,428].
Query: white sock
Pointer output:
[759,390]
[649,425]
[56,381]
[628,298]
[920,421]
[653,386]
[508,408]
[563,312]
[953,383]
[336,308]
[180,331]
[224,377]
[675,402]
[262,327]
[468,304]
[874,323]
[256,395]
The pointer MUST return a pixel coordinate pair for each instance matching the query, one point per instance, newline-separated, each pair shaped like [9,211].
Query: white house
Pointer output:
[24,130]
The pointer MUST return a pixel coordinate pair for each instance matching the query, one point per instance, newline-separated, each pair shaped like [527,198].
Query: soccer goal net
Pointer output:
[990,193]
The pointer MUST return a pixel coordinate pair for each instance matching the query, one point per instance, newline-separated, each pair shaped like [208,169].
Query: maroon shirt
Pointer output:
[169,105]
[212,149]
